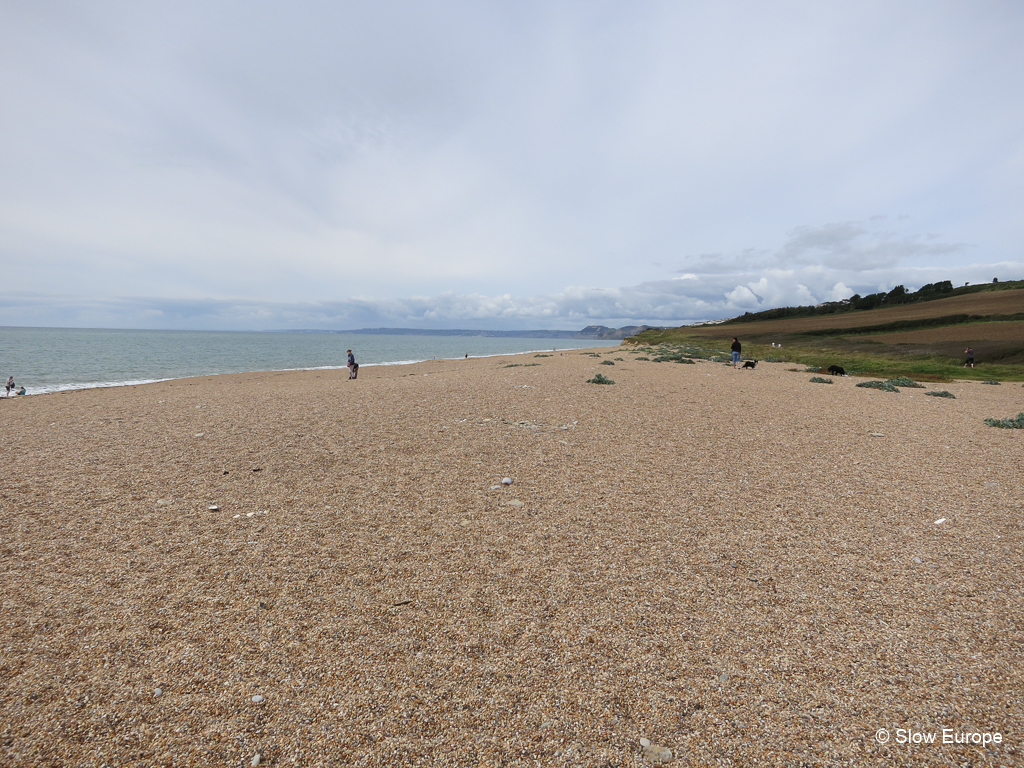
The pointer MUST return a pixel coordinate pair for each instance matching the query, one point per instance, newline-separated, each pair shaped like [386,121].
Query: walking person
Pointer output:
[970,357]
[736,349]
[353,366]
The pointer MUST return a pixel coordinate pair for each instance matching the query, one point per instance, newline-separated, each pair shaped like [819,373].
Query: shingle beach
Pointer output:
[697,564]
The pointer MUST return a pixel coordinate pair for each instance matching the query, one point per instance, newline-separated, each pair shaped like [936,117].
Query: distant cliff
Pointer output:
[603,332]
[590,332]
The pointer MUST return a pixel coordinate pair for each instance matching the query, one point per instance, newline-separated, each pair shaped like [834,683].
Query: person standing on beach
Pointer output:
[970,357]
[353,366]
[736,349]
[10,386]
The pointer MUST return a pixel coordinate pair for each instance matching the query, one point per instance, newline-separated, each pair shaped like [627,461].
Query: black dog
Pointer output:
[837,370]
[750,364]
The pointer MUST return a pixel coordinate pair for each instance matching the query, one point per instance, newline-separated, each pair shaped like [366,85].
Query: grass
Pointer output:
[820,380]
[599,379]
[607,362]
[942,393]
[903,381]
[990,382]
[886,363]
[543,355]
[1015,423]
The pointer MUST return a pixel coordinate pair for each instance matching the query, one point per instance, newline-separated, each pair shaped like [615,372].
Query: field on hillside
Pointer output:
[993,303]
[934,353]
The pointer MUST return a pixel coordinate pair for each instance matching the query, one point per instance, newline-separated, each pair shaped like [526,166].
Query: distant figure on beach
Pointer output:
[22,391]
[10,386]
[467,355]
[970,357]
[353,366]
[736,349]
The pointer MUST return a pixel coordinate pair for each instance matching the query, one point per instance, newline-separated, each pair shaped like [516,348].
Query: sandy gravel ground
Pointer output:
[740,567]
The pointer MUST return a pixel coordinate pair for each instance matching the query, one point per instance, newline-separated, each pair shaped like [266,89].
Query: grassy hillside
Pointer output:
[924,340]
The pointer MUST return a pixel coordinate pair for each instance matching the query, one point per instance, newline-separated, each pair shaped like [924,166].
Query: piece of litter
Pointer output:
[940,521]
[506,481]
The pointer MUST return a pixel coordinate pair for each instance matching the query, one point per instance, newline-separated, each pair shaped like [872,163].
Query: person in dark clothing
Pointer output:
[970,357]
[736,349]
[353,366]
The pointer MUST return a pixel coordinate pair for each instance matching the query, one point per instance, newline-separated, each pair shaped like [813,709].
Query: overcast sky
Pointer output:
[510,164]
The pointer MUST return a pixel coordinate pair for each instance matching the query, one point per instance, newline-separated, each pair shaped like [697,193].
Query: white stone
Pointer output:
[918,560]
[645,742]
[257,699]
[158,692]
[940,521]
[506,481]
[256,759]
[213,508]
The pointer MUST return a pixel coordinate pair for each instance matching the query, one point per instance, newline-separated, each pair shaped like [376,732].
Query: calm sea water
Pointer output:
[54,359]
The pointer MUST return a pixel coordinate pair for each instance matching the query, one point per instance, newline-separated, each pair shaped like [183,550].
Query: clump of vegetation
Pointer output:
[644,358]
[530,365]
[990,382]
[607,362]
[618,358]
[820,380]
[513,365]
[676,358]
[543,355]
[1015,423]
[903,381]
[812,369]
[599,379]
[942,393]
[885,386]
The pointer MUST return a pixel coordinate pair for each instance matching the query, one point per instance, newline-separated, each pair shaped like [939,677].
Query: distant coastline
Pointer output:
[590,332]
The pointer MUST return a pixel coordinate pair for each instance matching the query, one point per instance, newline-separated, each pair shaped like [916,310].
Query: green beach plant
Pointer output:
[599,379]
[1015,423]
[811,369]
[990,382]
[820,380]
[644,358]
[903,381]
[942,393]
[607,362]
[885,386]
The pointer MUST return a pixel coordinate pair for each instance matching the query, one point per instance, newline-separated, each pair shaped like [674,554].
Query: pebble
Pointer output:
[257,699]
[645,743]
[724,677]
[506,481]
[515,503]
[495,487]
[877,434]
[256,759]
[163,502]
[158,692]
[918,560]
[213,508]
[940,521]
[200,434]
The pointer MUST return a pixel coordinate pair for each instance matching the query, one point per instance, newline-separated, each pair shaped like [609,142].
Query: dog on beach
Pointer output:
[837,370]
[750,364]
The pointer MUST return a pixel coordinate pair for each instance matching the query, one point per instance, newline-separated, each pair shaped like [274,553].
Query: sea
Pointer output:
[56,359]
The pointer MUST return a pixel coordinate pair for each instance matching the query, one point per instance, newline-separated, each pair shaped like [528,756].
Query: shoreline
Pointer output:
[731,565]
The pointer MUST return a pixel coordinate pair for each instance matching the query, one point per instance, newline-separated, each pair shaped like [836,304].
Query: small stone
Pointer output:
[213,508]
[515,503]
[645,743]
[877,434]
[235,517]
[495,487]
[547,724]
[256,759]
[249,514]
[200,434]
[257,699]
[940,521]
[724,677]
[163,502]
[158,692]
[506,481]
[918,560]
